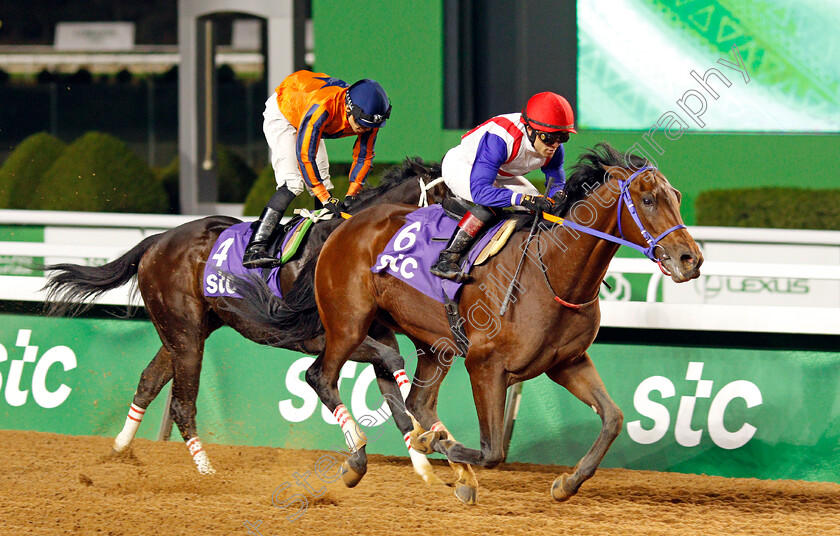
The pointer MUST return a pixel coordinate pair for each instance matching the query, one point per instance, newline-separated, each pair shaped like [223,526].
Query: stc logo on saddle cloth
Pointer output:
[684,434]
[21,379]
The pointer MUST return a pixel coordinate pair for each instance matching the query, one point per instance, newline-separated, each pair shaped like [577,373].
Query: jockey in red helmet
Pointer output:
[305,109]
[487,168]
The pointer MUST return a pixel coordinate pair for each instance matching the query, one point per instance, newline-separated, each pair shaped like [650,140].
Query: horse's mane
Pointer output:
[588,173]
[395,176]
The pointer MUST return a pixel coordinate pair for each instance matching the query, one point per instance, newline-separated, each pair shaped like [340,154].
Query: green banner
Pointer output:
[14,264]
[722,411]
[78,376]
[729,412]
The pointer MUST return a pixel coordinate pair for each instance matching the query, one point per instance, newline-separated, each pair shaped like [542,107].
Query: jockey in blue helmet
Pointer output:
[305,109]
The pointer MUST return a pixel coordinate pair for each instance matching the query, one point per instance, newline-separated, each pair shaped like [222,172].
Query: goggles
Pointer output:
[551,138]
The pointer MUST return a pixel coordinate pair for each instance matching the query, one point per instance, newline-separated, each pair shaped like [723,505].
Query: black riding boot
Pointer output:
[256,253]
[470,226]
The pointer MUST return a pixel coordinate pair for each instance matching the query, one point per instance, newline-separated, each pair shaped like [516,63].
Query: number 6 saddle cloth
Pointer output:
[416,246]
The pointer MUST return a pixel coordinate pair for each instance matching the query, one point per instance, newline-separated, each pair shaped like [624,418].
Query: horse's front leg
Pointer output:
[428,430]
[582,380]
[489,385]
[322,376]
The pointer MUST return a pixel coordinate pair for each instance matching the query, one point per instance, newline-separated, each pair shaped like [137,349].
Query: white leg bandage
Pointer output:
[403,382]
[202,461]
[353,435]
[132,423]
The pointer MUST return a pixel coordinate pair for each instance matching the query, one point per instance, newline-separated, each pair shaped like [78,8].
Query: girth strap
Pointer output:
[456,325]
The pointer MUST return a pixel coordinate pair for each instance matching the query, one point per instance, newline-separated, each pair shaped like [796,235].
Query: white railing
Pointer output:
[809,257]
[66,241]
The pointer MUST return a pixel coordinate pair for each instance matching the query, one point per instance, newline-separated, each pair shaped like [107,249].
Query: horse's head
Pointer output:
[430,180]
[640,202]
[653,221]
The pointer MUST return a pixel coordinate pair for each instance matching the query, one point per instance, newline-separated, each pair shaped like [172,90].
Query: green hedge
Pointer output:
[235,178]
[169,178]
[99,173]
[781,208]
[24,168]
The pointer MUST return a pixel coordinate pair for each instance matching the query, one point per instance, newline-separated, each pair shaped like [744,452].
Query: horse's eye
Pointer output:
[648,201]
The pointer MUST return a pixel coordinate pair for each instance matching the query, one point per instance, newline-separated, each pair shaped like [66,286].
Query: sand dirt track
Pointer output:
[54,484]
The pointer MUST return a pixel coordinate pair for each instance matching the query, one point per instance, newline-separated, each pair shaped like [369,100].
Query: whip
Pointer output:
[537,218]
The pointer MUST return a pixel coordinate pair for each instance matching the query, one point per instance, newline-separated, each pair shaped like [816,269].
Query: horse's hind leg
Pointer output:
[322,376]
[152,380]
[389,367]
[583,381]
[187,371]
[183,332]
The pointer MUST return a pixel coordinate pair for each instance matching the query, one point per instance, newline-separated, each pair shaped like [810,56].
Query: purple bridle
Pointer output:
[624,197]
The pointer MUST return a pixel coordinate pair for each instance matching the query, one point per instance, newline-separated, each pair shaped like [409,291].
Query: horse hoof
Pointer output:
[349,476]
[202,463]
[424,443]
[466,494]
[559,490]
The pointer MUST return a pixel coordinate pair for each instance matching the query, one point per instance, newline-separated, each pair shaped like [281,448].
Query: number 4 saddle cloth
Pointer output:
[226,258]
[416,247]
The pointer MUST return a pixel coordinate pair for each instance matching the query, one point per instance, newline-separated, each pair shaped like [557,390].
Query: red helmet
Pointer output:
[549,112]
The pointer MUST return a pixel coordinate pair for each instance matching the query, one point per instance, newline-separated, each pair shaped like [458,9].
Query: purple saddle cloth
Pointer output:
[226,258]
[416,247]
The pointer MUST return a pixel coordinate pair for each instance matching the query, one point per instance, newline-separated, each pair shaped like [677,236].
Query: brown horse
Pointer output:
[550,324]
[169,267]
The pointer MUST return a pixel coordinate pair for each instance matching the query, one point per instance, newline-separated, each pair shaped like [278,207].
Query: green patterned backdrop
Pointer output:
[636,58]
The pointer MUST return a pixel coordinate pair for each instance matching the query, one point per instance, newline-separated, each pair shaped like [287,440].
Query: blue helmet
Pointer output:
[368,103]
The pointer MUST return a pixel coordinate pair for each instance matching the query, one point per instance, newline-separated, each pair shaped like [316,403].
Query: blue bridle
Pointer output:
[624,198]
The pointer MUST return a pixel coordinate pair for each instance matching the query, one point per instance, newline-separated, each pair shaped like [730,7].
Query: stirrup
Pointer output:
[456,275]
[263,261]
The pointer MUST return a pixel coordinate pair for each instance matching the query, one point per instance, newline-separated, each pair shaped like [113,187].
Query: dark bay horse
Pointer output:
[548,327]
[169,267]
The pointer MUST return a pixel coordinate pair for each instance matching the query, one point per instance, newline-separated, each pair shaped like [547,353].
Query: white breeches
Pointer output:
[282,138]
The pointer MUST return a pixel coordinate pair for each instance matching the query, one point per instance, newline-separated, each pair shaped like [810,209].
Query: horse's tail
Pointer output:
[72,288]
[294,317]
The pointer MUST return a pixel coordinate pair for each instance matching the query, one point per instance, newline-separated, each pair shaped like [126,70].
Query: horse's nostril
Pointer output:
[687,260]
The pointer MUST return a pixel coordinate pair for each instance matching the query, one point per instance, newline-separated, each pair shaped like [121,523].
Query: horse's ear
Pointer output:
[616,172]
[418,167]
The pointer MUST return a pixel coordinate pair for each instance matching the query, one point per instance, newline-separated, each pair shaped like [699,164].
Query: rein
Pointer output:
[557,298]
[424,189]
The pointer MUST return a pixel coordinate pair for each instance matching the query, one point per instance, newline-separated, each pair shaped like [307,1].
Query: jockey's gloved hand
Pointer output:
[332,205]
[348,202]
[558,197]
[536,203]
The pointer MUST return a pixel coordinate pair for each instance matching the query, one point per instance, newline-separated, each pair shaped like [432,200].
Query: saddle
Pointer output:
[286,243]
